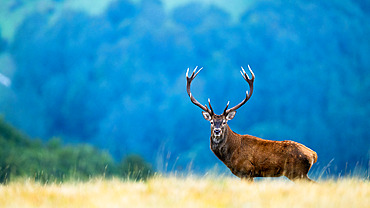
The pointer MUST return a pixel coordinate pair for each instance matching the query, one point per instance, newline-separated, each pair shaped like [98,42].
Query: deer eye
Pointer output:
[211,122]
[224,122]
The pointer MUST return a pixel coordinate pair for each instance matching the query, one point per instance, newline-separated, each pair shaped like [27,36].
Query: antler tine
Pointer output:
[188,83]
[248,95]
[198,71]
[244,75]
[209,103]
[193,75]
[227,105]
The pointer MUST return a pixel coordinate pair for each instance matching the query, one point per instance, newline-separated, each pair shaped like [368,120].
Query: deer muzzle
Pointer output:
[217,131]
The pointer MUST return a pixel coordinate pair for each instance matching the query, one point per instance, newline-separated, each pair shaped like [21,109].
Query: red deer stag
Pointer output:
[249,156]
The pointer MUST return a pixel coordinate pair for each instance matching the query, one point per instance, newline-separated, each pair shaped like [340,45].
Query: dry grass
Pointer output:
[187,192]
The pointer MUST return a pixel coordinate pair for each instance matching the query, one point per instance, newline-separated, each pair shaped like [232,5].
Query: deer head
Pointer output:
[219,122]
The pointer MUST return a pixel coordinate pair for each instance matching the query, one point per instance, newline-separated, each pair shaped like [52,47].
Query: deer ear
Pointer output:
[206,116]
[230,115]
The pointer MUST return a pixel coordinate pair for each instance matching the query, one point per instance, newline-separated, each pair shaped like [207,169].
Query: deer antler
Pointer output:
[193,100]
[248,95]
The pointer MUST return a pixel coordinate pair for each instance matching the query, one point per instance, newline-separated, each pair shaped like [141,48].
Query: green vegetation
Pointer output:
[134,167]
[21,156]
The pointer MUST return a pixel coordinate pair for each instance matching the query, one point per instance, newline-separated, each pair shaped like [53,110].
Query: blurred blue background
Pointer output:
[112,74]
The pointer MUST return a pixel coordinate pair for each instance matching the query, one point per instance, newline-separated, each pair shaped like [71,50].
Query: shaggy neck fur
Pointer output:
[221,146]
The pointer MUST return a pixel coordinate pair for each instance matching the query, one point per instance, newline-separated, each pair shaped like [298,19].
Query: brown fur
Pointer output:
[249,156]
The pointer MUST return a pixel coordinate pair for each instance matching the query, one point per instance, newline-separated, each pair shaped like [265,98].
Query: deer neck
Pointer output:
[224,145]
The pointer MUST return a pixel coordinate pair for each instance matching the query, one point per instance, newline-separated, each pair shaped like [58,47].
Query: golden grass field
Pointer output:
[187,192]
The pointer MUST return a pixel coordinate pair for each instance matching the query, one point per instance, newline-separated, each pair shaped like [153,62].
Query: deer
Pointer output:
[248,156]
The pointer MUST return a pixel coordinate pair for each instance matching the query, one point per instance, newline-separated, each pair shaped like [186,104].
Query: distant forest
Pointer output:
[23,158]
[116,80]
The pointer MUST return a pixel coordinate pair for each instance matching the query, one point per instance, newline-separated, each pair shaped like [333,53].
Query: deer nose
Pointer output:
[217,131]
